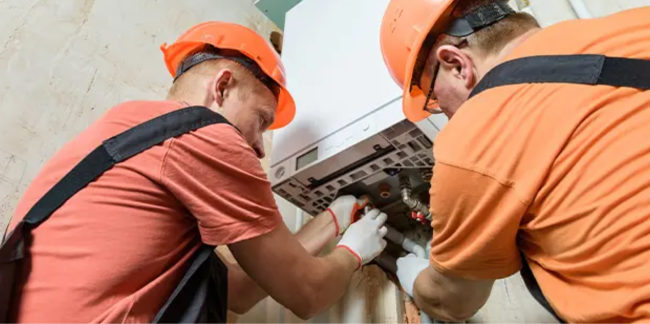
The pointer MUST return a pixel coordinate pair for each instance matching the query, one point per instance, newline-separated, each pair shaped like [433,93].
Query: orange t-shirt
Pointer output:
[560,172]
[115,251]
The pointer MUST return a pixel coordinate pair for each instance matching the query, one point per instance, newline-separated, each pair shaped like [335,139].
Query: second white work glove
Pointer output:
[408,269]
[343,210]
[365,238]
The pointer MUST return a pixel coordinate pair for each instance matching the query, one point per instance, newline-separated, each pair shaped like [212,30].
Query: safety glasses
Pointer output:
[431,103]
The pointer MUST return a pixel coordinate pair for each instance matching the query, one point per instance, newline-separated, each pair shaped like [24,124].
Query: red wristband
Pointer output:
[336,222]
[354,254]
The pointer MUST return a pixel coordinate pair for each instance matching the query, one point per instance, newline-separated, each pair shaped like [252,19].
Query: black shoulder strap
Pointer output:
[585,69]
[118,149]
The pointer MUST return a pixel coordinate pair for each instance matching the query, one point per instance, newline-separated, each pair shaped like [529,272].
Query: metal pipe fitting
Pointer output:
[412,203]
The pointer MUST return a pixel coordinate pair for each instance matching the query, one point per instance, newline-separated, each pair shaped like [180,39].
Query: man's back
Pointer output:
[564,172]
[115,251]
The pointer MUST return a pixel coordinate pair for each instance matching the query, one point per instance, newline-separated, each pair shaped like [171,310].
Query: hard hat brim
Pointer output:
[286,110]
[228,36]
[413,97]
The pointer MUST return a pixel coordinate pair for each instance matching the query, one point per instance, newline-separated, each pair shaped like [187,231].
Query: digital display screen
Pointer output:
[307,158]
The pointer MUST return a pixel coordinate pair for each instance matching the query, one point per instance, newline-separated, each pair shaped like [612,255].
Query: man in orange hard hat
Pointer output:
[543,165]
[121,224]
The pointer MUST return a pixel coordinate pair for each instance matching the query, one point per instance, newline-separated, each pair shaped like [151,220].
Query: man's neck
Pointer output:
[492,60]
[188,100]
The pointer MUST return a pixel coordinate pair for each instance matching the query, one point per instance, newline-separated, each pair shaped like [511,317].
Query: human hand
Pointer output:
[408,269]
[365,238]
[343,209]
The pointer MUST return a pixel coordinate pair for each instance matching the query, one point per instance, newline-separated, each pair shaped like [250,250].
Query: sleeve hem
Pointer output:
[475,275]
[503,182]
[238,232]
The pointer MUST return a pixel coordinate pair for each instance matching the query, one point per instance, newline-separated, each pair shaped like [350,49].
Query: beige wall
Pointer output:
[64,62]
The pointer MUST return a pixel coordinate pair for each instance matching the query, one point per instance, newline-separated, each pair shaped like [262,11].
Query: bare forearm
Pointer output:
[317,233]
[429,299]
[449,299]
[244,293]
[323,282]
[326,281]
[303,283]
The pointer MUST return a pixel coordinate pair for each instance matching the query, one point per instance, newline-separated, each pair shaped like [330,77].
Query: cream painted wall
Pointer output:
[63,63]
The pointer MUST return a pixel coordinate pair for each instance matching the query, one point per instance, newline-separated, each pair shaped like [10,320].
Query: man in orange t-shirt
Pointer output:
[543,165]
[116,250]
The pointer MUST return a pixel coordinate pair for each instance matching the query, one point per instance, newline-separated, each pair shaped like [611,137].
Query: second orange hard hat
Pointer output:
[405,26]
[229,36]
[410,28]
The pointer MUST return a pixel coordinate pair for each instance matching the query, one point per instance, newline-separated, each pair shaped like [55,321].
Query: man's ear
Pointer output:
[221,85]
[458,64]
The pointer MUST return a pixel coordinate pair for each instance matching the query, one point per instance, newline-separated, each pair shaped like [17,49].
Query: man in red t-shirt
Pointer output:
[115,251]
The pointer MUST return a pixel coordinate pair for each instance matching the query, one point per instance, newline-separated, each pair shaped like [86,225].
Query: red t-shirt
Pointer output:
[116,250]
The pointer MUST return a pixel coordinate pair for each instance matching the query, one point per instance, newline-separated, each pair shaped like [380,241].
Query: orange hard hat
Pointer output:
[408,30]
[229,36]
[405,26]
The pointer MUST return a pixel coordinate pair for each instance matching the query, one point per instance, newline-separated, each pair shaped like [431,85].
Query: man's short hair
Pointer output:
[493,38]
[185,80]
[488,40]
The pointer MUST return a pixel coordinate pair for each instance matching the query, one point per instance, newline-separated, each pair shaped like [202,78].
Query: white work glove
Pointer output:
[365,238]
[408,269]
[343,210]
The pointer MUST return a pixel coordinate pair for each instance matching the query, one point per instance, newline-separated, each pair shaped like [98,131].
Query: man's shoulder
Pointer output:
[495,131]
[216,144]
[144,109]
[133,113]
